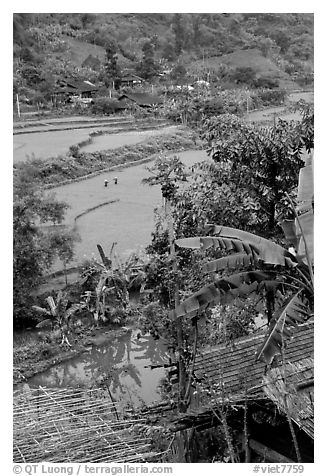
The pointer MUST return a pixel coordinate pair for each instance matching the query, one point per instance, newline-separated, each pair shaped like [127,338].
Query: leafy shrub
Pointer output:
[74,151]
[268,83]
[105,106]
[272,96]
[243,74]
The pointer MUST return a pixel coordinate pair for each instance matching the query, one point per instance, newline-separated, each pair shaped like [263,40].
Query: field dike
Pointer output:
[88,210]
[67,169]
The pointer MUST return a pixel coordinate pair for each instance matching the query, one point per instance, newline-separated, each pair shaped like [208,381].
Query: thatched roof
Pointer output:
[291,389]
[141,99]
[76,425]
[234,367]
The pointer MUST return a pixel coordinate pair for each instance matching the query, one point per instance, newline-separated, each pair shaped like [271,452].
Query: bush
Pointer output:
[267,83]
[272,96]
[105,106]
[243,75]
[213,107]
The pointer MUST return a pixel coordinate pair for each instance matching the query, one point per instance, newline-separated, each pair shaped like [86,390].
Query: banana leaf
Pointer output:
[44,323]
[232,239]
[304,227]
[294,312]
[289,229]
[305,188]
[52,305]
[238,260]
[73,309]
[42,310]
[221,291]
[106,261]
[304,222]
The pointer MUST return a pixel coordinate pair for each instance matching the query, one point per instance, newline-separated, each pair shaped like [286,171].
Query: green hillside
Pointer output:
[78,50]
[48,47]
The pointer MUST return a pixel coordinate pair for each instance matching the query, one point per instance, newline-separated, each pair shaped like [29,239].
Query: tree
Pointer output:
[196,30]
[34,250]
[148,68]
[87,19]
[261,162]
[178,72]
[112,70]
[168,51]
[179,33]
[243,74]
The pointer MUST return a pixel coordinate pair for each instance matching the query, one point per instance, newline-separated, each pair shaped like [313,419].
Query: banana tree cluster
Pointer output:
[248,263]
[113,283]
[60,315]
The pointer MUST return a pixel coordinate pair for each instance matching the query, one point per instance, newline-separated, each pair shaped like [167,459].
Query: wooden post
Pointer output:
[65,271]
[18,107]
[269,455]
[180,341]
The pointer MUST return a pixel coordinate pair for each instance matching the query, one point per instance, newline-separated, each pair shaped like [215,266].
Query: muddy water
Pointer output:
[122,363]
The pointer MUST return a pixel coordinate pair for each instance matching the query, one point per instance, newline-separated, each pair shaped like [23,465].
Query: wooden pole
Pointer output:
[18,107]
[269,455]
[180,341]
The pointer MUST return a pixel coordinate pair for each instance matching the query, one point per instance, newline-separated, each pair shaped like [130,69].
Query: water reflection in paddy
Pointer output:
[124,364]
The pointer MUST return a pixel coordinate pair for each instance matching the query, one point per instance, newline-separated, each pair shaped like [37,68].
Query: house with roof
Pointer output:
[140,99]
[72,90]
[130,79]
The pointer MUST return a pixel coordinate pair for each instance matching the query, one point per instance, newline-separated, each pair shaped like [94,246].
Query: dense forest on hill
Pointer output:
[50,46]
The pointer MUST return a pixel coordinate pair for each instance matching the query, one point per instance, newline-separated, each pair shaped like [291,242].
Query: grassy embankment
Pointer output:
[67,168]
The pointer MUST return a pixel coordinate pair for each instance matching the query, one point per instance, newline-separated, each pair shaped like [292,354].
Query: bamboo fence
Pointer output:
[76,425]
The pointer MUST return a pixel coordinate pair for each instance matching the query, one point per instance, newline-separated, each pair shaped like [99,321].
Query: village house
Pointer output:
[71,90]
[130,79]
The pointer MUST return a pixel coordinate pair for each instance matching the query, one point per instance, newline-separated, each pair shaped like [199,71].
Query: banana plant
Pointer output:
[113,283]
[262,266]
[60,315]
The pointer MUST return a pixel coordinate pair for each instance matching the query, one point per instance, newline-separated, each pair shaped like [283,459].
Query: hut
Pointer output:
[269,408]
[140,99]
